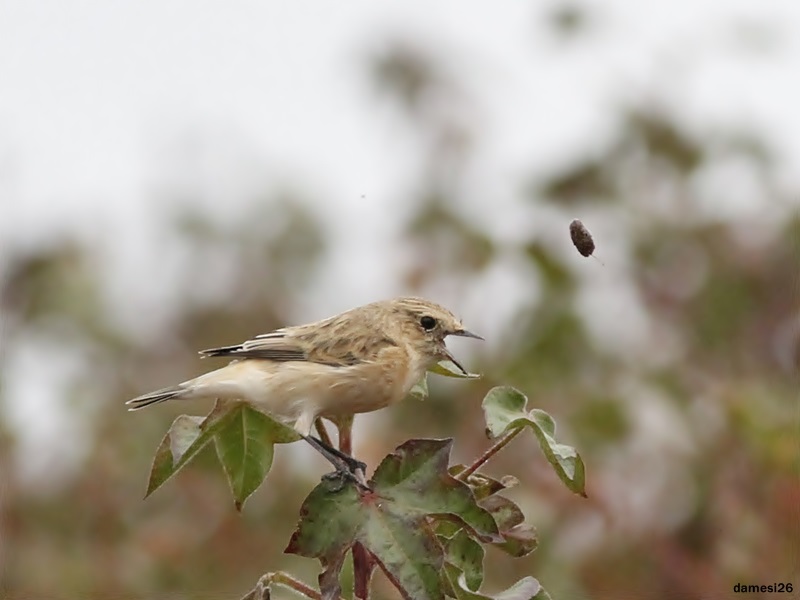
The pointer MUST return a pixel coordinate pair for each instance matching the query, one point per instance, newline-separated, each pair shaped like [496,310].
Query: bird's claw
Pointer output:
[339,478]
[357,465]
[335,480]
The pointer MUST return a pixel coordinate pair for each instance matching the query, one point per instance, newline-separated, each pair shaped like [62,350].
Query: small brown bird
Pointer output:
[361,360]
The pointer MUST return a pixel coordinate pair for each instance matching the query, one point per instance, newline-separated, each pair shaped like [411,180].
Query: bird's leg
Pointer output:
[346,466]
[344,427]
[353,464]
[322,432]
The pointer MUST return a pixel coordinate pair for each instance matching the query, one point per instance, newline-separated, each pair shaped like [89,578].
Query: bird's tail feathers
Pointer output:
[161,395]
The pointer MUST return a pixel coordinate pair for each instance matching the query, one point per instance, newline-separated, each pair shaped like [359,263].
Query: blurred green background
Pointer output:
[671,366]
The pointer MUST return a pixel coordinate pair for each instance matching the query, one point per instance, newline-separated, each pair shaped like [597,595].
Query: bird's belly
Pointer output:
[292,389]
[356,401]
[366,388]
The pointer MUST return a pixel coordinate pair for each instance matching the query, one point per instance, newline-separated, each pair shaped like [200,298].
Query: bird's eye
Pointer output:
[427,323]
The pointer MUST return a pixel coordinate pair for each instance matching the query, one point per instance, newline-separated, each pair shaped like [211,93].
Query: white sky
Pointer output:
[95,96]
[89,91]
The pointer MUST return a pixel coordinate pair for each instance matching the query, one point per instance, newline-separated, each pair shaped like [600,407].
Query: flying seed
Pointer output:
[581,238]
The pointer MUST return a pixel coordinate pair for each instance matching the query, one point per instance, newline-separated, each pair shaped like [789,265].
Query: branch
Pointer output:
[483,458]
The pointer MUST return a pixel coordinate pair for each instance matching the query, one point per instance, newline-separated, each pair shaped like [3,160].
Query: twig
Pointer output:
[261,591]
[298,586]
[483,458]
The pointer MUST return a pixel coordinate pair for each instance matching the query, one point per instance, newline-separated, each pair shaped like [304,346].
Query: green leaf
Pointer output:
[184,440]
[519,539]
[445,528]
[184,431]
[449,369]
[421,465]
[504,410]
[245,449]
[243,436]
[526,588]
[391,521]
[410,556]
[446,368]
[333,520]
[483,485]
[420,389]
[466,554]
[504,512]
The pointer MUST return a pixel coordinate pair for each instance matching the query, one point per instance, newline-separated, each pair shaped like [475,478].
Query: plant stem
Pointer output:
[483,458]
[261,591]
[298,586]
[363,564]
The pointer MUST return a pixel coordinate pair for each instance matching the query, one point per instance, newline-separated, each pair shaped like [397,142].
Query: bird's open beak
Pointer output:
[452,359]
[449,355]
[465,333]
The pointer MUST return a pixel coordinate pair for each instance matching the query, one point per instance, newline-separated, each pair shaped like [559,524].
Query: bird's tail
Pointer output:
[155,397]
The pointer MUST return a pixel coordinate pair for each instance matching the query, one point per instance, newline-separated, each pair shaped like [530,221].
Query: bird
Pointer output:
[359,361]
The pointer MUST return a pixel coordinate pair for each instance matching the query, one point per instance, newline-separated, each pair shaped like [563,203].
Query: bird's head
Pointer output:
[424,325]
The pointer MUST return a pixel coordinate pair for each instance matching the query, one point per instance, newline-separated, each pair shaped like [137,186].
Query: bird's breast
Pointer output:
[373,385]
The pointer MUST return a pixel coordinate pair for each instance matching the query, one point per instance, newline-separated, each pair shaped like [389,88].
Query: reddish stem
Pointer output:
[363,564]
[483,458]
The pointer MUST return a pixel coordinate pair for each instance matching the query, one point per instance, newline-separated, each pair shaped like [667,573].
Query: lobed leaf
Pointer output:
[184,440]
[504,410]
[245,447]
[243,436]
[416,477]
[391,521]
[332,520]
[407,553]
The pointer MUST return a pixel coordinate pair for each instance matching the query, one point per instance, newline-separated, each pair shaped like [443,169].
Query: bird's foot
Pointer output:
[340,477]
[356,465]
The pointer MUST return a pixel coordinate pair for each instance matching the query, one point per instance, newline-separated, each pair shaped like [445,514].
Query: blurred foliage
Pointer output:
[568,19]
[690,434]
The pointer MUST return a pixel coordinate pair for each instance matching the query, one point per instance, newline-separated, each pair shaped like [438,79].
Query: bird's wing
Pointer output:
[297,344]
[277,345]
[345,340]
